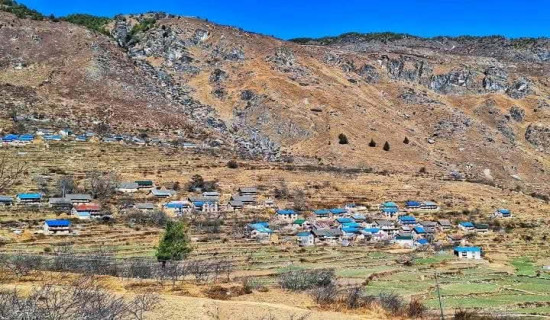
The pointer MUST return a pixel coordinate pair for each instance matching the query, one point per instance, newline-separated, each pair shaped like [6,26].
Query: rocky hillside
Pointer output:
[474,108]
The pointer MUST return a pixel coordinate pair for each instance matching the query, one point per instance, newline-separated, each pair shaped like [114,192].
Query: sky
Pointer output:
[316,18]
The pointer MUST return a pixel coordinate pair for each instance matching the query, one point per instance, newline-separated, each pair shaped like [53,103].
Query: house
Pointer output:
[9,139]
[374,234]
[144,184]
[248,191]
[359,218]
[287,215]
[389,209]
[235,205]
[87,211]
[419,232]
[429,206]
[337,211]
[145,207]
[25,139]
[259,231]
[29,198]
[455,238]
[412,205]
[422,242]
[481,227]
[6,201]
[127,187]
[301,223]
[407,220]
[52,137]
[57,227]
[269,203]
[350,230]
[342,221]
[161,194]
[81,138]
[502,213]
[245,200]
[327,236]
[204,204]
[211,194]
[404,240]
[79,198]
[177,207]
[322,213]
[305,239]
[60,204]
[386,226]
[466,226]
[468,252]
[444,224]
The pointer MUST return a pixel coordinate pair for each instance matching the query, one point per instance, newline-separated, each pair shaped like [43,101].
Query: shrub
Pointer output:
[325,294]
[415,309]
[232,164]
[391,302]
[406,140]
[306,279]
[386,146]
[342,139]
[372,144]
[91,22]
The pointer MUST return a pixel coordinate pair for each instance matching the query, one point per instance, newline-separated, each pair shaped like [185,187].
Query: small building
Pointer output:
[373,234]
[235,205]
[466,226]
[57,227]
[456,238]
[211,194]
[503,213]
[204,204]
[79,198]
[145,206]
[419,232]
[404,240]
[127,187]
[422,242]
[412,205]
[407,220]
[60,204]
[429,206]
[248,191]
[342,221]
[387,226]
[389,209]
[305,239]
[177,207]
[327,236]
[144,184]
[87,211]
[481,227]
[444,224]
[52,137]
[468,252]
[162,194]
[360,218]
[301,223]
[287,214]
[29,198]
[337,211]
[322,213]
[6,201]
[245,200]
[259,231]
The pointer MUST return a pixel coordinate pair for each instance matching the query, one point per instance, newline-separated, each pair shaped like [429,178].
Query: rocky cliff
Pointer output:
[469,107]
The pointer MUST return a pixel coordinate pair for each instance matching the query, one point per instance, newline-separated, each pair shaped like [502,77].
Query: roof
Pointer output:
[286,212]
[390,209]
[243,198]
[321,212]
[444,222]
[404,237]
[504,211]
[26,137]
[327,232]
[54,137]
[344,220]
[428,223]
[358,216]
[419,230]
[58,223]
[87,207]
[467,249]
[176,205]
[412,203]
[162,193]
[6,199]
[145,205]
[78,196]
[260,227]
[128,185]
[350,229]
[481,226]
[386,223]
[27,196]
[211,194]
[59,201]
[299,221]
[236,203]
[248,190]
[407,218]
[371,230]
[144,183]
[389,204]
[303,234]
[467,224]
[338,211]
[423,241]
[429,203]
[351,225]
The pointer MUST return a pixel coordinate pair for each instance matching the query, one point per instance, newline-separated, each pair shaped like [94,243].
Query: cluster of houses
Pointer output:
[68,135]
[389,224]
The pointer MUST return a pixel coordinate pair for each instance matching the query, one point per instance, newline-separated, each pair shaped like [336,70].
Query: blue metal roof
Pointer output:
[412,204]
[27,196]
[504,211]
[10,137]
[260,227]
[58,223]
[286,212]
[467,249]
[303,234]
[407,218]
[390,210]
[344,220]
[350,230]
[26,137]
[467,224]
[389,204]
[321,212]
[338,211]
[52,137]
[419,230]
[351,225]
[423,241]
[174,205]
[372,230]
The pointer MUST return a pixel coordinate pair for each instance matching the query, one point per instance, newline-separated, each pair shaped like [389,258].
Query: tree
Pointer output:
[232,164]
[65,185]
[175,243]
[198,182]
[406,140]
[10,172]
[103,185]
[386,146]
[342,139]
[372,144]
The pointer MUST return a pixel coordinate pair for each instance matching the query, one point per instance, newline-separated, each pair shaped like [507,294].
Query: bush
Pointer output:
[406,140]
[342,139]
[232,164]
[372,144]
[391,302]
[91,22]
[386,146]
[415,309]
[325,295]
[300,280]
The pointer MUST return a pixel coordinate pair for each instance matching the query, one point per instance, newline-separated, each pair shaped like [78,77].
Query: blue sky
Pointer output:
[298,18]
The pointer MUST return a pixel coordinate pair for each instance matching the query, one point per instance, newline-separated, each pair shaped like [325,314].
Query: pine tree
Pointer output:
[386,146]
[175,243]
[372,144]
[406,141]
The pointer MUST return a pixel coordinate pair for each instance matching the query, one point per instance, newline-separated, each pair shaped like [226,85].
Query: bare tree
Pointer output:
[103,185]
[10,172]
[65,184]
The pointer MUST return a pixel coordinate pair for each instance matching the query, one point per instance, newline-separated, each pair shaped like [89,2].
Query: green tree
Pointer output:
[175,243]
[406,140]
[386,146]
[372,144]
[342,139]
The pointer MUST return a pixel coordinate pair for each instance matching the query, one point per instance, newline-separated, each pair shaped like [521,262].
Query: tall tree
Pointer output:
[175,243]
[10,172]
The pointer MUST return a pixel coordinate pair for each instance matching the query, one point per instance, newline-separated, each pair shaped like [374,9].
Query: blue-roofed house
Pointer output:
[52,137]
[259,231]
[81,138]
[503,213]
[429,206]
[25,139]
[468,252]
[287,214]
[404,240]
[359,217]
[57,227]
[407,220]
[29,198]
[419,232]
[9,138]
[322,213]
[389,209]
[344,220]
[177,207]
[305,239]
[412,205]
[338,211]
[422,242]
[466,226]
[204,204]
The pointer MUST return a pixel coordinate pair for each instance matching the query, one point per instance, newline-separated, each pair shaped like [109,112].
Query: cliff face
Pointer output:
[476,108]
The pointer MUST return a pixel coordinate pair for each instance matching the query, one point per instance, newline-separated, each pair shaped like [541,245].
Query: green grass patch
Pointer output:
[524,266]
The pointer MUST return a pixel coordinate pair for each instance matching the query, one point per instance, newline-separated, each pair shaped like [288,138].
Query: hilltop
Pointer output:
[458,108]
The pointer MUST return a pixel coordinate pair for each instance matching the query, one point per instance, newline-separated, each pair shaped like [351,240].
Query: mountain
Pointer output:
[468,108]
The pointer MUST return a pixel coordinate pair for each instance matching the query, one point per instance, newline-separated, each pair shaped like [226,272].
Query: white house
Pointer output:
[127,187]
[287,215]
[305,239]
[57,227]
[468,252]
